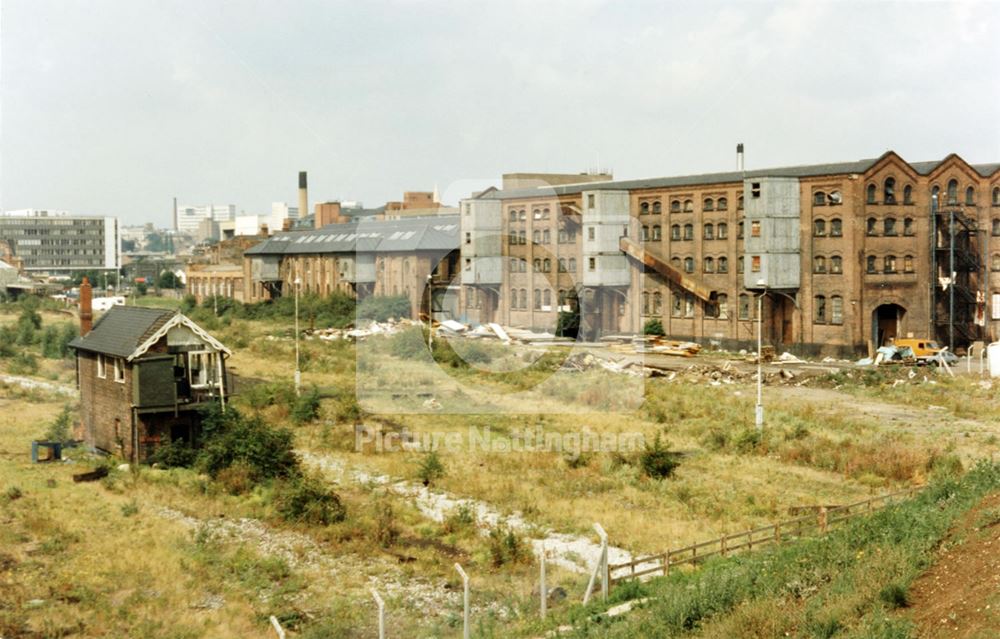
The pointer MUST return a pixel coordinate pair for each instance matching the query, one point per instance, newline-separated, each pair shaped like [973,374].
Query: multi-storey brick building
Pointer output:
[848,254]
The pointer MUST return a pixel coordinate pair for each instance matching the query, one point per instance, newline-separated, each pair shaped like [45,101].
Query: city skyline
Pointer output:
[116,108]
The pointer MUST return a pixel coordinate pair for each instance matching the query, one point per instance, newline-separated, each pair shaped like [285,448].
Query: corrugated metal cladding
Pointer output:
[434,233]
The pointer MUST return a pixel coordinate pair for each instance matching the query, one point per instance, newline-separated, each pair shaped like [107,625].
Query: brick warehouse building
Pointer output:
[849,254]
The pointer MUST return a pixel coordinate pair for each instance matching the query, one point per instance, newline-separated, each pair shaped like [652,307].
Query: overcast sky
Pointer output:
[114,107]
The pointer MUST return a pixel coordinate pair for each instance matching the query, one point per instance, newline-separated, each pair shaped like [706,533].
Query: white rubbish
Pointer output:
[453,326]
[101,304]
[502,334]
[432,404]
[788,358]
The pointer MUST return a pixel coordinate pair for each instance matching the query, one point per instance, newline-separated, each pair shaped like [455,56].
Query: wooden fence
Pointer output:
[817,523]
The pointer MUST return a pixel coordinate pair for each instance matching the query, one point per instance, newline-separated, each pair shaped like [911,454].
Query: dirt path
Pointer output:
[959,596]
[32,383]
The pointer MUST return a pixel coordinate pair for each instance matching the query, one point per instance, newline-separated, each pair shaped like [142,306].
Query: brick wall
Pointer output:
[105,406]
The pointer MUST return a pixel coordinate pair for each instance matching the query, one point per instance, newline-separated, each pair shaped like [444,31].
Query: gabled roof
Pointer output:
[129,331]
[430,233]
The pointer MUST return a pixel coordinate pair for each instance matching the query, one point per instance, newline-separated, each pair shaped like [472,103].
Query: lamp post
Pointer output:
[759,412]
[430,313]
[298,373]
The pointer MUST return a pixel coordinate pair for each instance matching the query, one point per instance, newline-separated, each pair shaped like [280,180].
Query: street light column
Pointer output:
[298,373]
[759,412]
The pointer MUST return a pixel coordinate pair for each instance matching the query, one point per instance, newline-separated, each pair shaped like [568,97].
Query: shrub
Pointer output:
[747,440]
[653,327]
[461,517]
[305,408]
[129,509]
[430,468]
[505,546]
[386,532]
[383,307]
[175,454]
[236,479]
[307,499]
[229,437]
[894,596]
[24,363]
[60,429]
[657,462]
[409,344]
[13,493]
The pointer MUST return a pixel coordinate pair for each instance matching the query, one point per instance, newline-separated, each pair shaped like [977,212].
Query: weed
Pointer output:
[386,531]
[307,499]
[430,468]
[505,546]
[306,407]
[894,596]
[13,494]
[130,509]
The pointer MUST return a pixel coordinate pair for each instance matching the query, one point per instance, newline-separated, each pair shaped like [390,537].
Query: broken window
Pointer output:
[675,232]
[889,262]
[644,208]
[908,264]
[119,370]
[836,264]
[970,196]
[996,226]
[657,303]
[677,306]
[545,214]
[836,309]
[546,265]
[645,233]
[870,264]
[675,206]
[755,228]
[656,233]
[889,226]
[739,230]
[657,208]
[688,231]
[819,264]
[721,230]
[721,204]
[722,265]
[819,228]
[708,265]
[953,192]
[871,226]
[522,215]
[870,194]
[689,265]
[688,305]
[739,203]
[675,262]
[708,204]
[592,263]
[688,206]
[744,309]
[755,264]
[819,198]
[755,189]
[645,303]
[889,191]
[996,196]
[709,231]
[834,198]
[819,306]
[907,194]
[202,369]
[468,238]
[836,227]
[722,306]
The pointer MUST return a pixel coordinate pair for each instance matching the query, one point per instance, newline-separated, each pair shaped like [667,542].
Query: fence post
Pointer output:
[604,560]
[381,613]
[544,591]
[722,545]
[777,533]
[822,520]
[277,627]
[465,601]
[749,541]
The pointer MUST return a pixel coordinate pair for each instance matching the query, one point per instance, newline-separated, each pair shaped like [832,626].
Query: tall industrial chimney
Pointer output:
[86,306]
[303,195]
[739,157]
[175,215]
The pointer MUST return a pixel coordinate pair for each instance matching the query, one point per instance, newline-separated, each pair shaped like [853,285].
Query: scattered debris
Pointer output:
[93,475]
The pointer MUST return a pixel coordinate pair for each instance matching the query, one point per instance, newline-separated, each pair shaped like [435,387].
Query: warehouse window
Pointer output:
[688,206]
[689,265]
[562,265]
[970,196]
[675,232]
[536,300]
[889,191]
[755,264]
[996,196]
[871,226]
[889,226]
[819,307]
[723,264]
[819,198]
[688,305]
[836,227]
[834,198]
[536,237]
[645,303]
[889,262]
[819,228]
[907,194]
[739,230]
[546,265]
[739,264]
[676,308]
[870,264]
[953,192]
[721,230]
[645,233]
[592,263]
[908,229]
[657,233]
[908,264]
[644,208]
[708,204]
[870,194]
[996,226]
[708,265]
[836,264]
[722,306]
[657,208]
[675,206]
[744,308]
[572,265]
[688,231]
[755,228]
[739,203]
[819,264]
[995,262]
[721,204]
[836,309]
[709,232]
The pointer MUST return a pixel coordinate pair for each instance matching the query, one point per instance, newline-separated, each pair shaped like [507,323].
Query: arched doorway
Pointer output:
[887,323]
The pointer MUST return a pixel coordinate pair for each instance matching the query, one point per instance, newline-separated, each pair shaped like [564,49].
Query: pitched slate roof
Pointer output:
[122,329]
[430,233]
[809,170]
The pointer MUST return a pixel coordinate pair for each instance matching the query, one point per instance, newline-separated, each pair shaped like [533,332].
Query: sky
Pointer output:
[115,107]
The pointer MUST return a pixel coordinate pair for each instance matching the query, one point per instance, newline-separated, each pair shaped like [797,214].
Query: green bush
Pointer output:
[505,546]
[409,344]
[657,462]
[386,532]
[229,438]
[175,454]
[24,363]
[383,307]
[305,408]
[430,468]
[307,499]
[894,596]
[653,327]
[60,430]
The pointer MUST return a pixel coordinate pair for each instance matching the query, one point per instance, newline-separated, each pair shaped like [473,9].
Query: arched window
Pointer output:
[657,303]
[688,305]
[708,265]
[953,192]
[547,297]
[819,264]
[723,265]
[645,302]
[996,196]
[819,309]
[689,265]
[721,230]
[512,238]
[536,265]
[688,206]
[908,264]
[645,233]
[572,265]
[871,226]
[513,265]
[908,228]
[536,237]
[740,261]
[819,198]
[722,306]
[739,203]
[708,204]
[524,299]
[675,262]
[709,231]
[657,233]
[675,206]
[689,231]
[836,227]
[644,208]
[536,300]
[936,193]
[836,309]
[522,236]
[676,306]
[524,265]
[889,263]
[889,226]
[657,207]
[513,298]
[889,191]
[995,262]
[562,297]
[836,264]
[675,232]
[561,265]
[970,196]
[743,312]
[546,265]
[513,215]
[522,215]
[870,264]
[739,230]
[996,226]
[545,214]
[870,198]
[819,228]
[721,204]
[907,194]
[536,214]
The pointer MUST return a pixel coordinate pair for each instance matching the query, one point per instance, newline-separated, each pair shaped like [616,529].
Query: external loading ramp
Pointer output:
[651,261]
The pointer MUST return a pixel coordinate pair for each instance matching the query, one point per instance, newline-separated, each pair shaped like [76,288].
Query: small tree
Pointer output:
[430,468]
[60,430]
[653,327]
[168,279]
[306,407]
[658,462]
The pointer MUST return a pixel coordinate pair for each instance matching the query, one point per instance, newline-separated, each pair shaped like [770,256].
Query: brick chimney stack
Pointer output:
[86,306]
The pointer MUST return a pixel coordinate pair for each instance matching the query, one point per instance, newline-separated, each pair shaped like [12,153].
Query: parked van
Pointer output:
[926,350]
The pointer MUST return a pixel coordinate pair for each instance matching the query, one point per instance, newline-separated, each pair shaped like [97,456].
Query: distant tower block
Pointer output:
[303,194]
